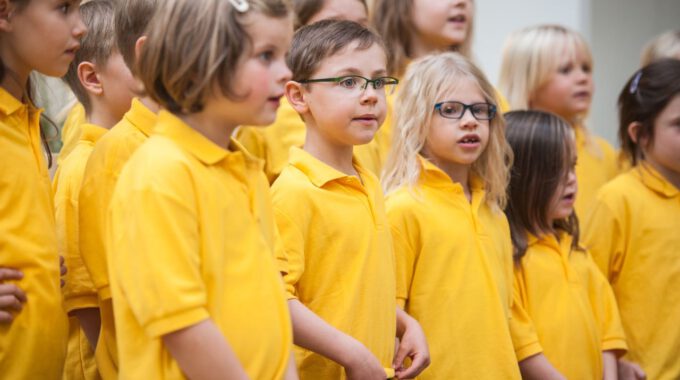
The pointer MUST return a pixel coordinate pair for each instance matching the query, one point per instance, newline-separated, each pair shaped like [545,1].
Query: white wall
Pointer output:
[615,29]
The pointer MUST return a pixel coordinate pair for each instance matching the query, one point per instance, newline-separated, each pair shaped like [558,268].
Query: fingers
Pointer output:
[62,265]
[418,364]
[5,317]
[10,274]
[10,292]
[402,353]
[639,373]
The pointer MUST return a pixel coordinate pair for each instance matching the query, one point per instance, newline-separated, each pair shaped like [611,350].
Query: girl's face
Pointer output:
[458,143]
[440,24]
[569,90]
[664,151]
[43,36]
[352,10]
[562,202]
[261,76]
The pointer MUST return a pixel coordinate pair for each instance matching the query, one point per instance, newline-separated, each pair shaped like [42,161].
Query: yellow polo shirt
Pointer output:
[597,165]
[272,143]
[79,292]
[33,346]
[570,306]
[108,157]
[454,275]
[70,131]
[633,234]
[186,240]
[339,252]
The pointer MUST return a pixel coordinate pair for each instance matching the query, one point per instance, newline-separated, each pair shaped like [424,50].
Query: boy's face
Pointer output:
[118,84]
[341,115]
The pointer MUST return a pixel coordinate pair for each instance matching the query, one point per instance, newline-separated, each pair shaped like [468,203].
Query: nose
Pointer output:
[468,121]
[461,3]
[79,28]
[369,95]
[284,73]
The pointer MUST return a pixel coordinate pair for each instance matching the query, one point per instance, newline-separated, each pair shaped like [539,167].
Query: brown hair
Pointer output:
[541,161]
[642,99]
[316,42]
[131,20]
[304,10]
[181,66]
[96,47]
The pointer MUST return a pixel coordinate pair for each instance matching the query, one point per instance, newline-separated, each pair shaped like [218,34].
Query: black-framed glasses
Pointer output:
[456,110]
[356,83]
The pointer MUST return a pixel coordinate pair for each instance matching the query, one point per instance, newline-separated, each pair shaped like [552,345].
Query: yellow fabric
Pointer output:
[33,346]
[70,132]
[596,165]
[339,252]
[454,275]
[272,143]
[571,306]
[108,157]
[187,242]
[79,292]
[633,234]
[80,363]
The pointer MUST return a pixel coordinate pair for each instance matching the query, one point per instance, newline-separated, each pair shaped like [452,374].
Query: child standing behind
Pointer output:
[330,212]
[570,307]
[632,231]
[35,35]
[195,286]
[549,68]
[103,84]
[445,182]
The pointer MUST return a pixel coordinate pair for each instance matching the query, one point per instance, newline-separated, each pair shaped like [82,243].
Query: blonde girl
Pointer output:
[549,68]
[445,182]
[42,36]
[191,236]
[665,45]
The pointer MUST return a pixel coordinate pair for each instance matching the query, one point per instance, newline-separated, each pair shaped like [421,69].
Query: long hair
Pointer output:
[541,162]
[426,82]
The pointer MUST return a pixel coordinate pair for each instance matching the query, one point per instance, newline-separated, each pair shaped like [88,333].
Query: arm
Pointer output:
[291,371]
[538,367]
[609,363]
[202,353]
[630,371]
[313,333]
[412,344]
[90,322]
[11,296]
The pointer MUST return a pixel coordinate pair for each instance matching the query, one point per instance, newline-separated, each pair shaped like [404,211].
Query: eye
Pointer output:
[450,109]
[266,56]
[586,68]
[64,8]
[565,69]
[480,109]
[348,82]
[379,83]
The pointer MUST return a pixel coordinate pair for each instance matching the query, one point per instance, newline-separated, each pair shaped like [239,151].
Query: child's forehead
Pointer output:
[352,57]
[462,88]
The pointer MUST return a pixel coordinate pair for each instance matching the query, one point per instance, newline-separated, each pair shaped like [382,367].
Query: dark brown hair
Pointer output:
[96,47]
[306,9]
[316,42]
[642,99]
[542,158]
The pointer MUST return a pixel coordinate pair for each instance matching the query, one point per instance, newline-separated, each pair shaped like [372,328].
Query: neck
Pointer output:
[100,117]
[150,104]
[671,176]
[214,130]
[457,172]
[338,156]
[15,84]
[421,47]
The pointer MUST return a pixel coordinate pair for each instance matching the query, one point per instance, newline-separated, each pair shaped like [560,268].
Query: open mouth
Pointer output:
[470,139]
[569,197]
[457,19]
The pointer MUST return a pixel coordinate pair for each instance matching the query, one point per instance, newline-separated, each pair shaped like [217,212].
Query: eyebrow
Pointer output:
[355,71]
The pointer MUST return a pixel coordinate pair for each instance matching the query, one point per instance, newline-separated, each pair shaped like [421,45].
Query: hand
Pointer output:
[630,371]
[364,365]
[62,269]
[413,345]
[11,296]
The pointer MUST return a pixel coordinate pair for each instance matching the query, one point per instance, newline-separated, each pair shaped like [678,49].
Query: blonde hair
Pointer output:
[531,57]
[392,19]
[426,82]
[183,64]
[666,45]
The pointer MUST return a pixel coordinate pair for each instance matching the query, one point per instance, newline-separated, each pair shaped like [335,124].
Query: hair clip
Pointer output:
[636,81]
[240,5]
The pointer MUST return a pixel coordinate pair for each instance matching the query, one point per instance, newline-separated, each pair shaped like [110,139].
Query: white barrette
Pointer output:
[240,5]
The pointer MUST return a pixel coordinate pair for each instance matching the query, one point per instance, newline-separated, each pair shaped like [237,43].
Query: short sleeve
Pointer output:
[293,259]
[603,237]
[405,253]
[522,330]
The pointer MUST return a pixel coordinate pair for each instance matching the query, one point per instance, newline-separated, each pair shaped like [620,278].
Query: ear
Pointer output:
[89,78]
[634,131]
[295,93]
[7,9]
[139,45]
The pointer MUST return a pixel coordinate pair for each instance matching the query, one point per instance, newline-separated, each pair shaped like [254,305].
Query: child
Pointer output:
[445,184]
[101,173]
[633,229]
[569,306]
[35,35]
[665,45]
[330,212]
[191,233]
[273,143]
[549,68]
[102,84]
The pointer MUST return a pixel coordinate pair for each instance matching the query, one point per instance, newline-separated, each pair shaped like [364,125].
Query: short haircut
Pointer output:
[96,47]
[642,99]
[541,162]
[666,45]
[194,47]
[131,19]
[316,42]
[304,10]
